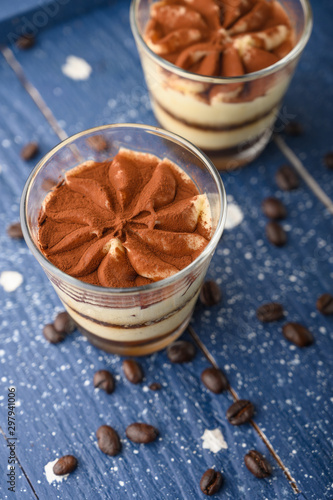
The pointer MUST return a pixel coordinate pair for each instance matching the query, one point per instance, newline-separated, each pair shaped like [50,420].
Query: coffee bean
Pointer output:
[51,334]
[15,231]
[210,294]
[48,184]
[325,304]
[211,482]
[294,129]
[108,440]
[240,412]
[103,379]
[274,208]
[97,142]
[25,42]
[64,323]
[215,380]
[29,151]
[286,178]
[272,311]
[141,433]
[276,234]
[133,371]
[297,334]
[65,465]
[181,351]
[155,386]
[328,160]
[257,464]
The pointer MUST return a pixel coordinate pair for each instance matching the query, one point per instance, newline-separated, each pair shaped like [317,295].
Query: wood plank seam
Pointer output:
[33,92]
[303,172]
[20,465]
[234,394]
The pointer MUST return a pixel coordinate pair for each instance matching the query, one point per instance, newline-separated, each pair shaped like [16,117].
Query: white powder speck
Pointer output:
[234,216]
[10,280]
[2,353]
[50,476]
[121,483]
[213,440]
[76,68]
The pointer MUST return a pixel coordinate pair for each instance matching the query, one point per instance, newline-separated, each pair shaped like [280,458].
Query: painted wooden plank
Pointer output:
[30,17]
[310,99]
[22,488]
[265,268]
[59,411]
[290,386]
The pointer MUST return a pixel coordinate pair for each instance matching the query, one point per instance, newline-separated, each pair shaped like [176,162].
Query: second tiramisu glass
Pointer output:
[231,117]
[137,320]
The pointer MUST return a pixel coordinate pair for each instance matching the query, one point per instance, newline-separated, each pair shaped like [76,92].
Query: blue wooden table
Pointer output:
[58,410]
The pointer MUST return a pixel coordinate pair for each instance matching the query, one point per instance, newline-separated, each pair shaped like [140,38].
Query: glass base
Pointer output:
[240,155]
[140,348]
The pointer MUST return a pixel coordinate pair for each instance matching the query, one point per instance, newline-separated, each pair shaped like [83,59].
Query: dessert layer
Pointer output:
[126,222]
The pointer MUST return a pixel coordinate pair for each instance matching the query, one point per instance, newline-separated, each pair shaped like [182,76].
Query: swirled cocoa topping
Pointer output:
[126,222]
[219,37]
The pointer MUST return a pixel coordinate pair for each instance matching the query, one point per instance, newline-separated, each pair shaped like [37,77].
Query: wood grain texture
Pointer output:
[33,16]
[59,408]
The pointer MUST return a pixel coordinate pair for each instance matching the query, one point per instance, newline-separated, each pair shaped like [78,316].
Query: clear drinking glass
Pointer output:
[231,133]
[127,321]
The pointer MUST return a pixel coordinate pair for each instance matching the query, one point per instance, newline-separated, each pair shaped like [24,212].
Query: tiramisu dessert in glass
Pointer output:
[217,70]
[127,234]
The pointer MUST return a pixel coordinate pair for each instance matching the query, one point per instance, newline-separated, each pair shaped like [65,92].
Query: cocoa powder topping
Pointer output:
[126,222]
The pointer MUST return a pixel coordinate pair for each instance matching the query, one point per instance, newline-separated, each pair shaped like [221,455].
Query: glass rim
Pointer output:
[293,54]
[70,280]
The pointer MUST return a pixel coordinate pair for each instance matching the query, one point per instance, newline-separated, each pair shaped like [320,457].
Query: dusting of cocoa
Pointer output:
[126,222]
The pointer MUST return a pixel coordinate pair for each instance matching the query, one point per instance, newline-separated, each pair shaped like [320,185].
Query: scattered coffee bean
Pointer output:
[274,208]
[64,323]
[25,42]
[97,142]
[65,465]
[108,440]
[103,379]
[15,231]
[48,184]
[325,304]
[155,386]
[286,178]
[181,351]
[133,371]
[51,334]
[215,380]
[141,433]
[29,151]
[210,293]
[294,129]
[297,334]
[276,234]
[240,412]
[328,160]
[211,482]
[273,311]
[257,464]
